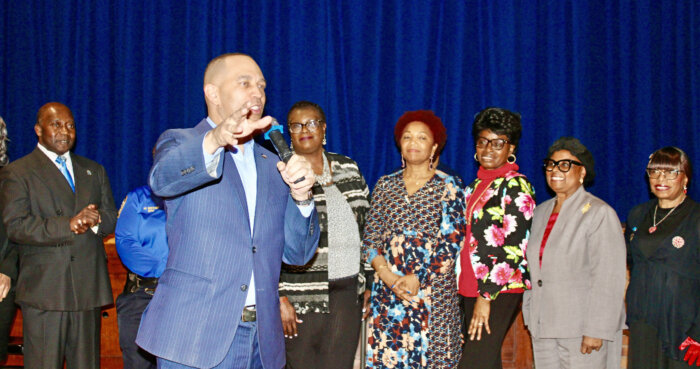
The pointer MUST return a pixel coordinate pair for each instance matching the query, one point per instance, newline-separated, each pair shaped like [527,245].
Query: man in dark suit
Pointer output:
[57,207]
[234,212]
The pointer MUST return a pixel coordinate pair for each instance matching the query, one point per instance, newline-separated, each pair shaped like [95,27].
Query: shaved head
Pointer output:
[51,107]
[218,66]
[232,82]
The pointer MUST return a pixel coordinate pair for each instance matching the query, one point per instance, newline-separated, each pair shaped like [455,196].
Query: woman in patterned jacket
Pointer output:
[319,302]
[413,235]
[493,273]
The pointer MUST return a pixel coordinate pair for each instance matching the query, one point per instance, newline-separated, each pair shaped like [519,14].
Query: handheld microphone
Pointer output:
[278,141]
[274,134]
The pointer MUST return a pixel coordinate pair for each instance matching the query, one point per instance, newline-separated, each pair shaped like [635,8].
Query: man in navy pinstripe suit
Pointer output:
[234,213]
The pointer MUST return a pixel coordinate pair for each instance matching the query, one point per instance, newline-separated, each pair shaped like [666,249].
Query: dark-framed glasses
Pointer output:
[496,143]
[669,174]
[564,165]
[311,125]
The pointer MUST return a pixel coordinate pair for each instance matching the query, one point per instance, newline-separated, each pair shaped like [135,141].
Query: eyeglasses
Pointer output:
[668,174]
[564,165]
[496,143]
[312,125]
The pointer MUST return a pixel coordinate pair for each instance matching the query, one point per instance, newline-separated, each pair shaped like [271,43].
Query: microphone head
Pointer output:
[278,141]
[274,127]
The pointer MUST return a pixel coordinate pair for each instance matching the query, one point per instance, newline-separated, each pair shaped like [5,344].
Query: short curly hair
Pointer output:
[4,159]
[577,149]
[431,120]
[303,104]
[499,121]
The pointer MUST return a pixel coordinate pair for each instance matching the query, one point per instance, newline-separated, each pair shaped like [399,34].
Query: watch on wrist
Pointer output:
[304,202]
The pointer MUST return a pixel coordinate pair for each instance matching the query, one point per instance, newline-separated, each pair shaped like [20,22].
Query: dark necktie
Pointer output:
[64,169]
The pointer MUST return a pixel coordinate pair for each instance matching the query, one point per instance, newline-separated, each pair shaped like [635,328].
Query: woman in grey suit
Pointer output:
[576,254]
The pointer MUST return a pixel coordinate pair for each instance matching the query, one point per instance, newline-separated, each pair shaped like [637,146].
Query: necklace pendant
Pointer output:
[652,229]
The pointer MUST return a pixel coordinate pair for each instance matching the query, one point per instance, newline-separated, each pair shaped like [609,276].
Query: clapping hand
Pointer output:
[85,219]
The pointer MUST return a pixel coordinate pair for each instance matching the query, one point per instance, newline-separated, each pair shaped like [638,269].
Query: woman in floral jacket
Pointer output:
[412,238]
[493,273]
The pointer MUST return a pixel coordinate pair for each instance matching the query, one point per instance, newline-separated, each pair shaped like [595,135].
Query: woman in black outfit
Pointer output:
[663,238]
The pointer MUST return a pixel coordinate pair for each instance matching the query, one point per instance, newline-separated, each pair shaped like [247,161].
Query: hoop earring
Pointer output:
[511,156]
[403,162]
[475,158]
[430,166]
[324,140]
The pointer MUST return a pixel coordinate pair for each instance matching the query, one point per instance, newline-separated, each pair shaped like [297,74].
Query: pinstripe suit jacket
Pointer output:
[196,309]
[579,289]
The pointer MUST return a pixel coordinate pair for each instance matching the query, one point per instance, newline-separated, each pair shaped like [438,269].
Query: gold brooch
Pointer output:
[586,208]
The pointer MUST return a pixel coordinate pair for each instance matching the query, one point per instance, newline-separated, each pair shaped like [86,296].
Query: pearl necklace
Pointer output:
[324,178]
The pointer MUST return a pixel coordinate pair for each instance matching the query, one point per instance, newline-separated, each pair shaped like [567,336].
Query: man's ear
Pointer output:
[37,129]
[211,93]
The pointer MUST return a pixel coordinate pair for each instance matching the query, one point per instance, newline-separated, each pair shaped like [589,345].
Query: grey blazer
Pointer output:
[579,290]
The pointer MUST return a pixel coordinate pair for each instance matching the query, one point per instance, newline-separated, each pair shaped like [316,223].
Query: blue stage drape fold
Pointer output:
[622,76]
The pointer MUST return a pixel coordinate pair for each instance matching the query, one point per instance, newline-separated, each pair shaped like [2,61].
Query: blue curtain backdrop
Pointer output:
[622,76]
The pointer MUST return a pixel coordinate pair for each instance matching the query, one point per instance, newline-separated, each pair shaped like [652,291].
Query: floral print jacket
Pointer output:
[500,228]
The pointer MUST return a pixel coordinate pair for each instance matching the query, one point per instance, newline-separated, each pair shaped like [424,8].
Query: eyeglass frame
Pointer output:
[557,162]
[665,173]
[492,143]
[316,124]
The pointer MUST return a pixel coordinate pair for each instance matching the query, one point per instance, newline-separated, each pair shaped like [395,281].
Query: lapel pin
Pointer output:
[88,172]
[585,208]
[264,156]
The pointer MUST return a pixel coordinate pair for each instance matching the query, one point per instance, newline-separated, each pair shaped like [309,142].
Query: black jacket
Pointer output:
[664,289]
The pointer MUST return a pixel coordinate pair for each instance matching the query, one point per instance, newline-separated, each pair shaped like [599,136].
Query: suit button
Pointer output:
[72,258]
[59,212]
[539,283]
[255,249]
[244,287]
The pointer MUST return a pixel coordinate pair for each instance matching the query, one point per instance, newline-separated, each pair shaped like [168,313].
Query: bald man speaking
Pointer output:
[235,212]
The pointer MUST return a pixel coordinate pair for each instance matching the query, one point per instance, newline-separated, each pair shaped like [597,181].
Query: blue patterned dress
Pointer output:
[421,234]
